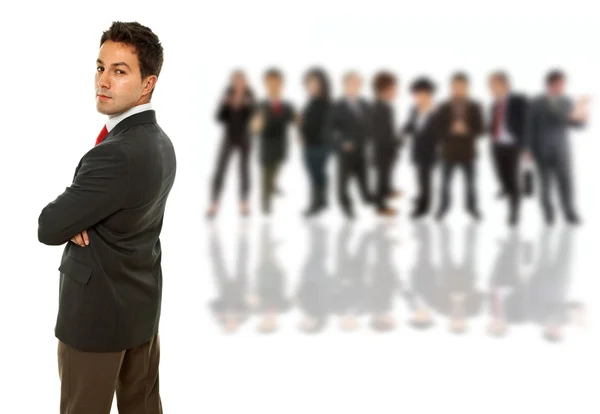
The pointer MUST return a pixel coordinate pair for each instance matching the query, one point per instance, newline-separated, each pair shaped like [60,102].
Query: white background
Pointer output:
[49,121]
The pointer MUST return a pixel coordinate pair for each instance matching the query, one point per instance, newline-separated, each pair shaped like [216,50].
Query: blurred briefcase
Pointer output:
[527,178]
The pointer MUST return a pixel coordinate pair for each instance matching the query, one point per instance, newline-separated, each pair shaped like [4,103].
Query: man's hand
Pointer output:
[257,123]
[459,127]
[81,239]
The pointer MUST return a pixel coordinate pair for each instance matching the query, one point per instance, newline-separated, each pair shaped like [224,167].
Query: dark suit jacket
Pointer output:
[346,126]
[425,140]
[548,126]
[385,142]
[274,136]
[515,118]
[110,291]
[459,148]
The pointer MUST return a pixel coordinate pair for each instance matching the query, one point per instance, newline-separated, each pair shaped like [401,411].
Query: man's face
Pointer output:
[119,84]
[273,85]
[422,99]
[498,88]
[557,87]
[390,93]
[352,86]
[313,86]
[238,81]
[460,89]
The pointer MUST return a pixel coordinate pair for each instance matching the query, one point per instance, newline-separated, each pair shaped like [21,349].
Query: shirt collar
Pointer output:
[113,120]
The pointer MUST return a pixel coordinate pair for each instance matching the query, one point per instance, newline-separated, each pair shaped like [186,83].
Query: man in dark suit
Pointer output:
[422,127]
[385,142]
[350,128]
[550,117]
[460,123]
[507,130]
[271,123]
[110,273]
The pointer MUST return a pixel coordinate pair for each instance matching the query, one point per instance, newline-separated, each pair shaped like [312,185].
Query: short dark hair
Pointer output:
[554,75]
[460,77]
[147,46]
[273,73]
[383,80]
[500,76]
[422,84]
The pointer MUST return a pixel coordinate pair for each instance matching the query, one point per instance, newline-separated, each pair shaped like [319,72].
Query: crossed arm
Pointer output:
[99,189]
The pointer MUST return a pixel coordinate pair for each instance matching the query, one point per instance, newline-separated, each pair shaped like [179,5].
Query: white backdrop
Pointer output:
[49,121]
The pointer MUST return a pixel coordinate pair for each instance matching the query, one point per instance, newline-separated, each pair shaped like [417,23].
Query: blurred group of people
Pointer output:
[529,283]
[363,135]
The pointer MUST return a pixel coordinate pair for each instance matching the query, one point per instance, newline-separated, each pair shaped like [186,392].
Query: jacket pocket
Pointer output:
[75,270]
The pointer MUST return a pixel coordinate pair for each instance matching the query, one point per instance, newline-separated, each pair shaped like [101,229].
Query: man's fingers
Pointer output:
[78,240]
[81,238]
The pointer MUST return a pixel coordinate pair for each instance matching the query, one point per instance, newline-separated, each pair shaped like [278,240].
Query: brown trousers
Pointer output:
[89,380]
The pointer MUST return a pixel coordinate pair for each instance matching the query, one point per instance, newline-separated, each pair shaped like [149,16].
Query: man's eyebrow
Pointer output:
[114,64]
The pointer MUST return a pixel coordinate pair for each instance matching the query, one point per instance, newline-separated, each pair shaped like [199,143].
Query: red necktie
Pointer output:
[498,119]
[102,135]
[276,107]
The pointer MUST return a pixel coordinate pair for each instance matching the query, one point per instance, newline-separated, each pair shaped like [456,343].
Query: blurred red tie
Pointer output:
[102,135]
[276,106]
[498,119]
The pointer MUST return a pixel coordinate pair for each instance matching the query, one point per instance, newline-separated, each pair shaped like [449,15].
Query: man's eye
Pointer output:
[120,72]
[100,69]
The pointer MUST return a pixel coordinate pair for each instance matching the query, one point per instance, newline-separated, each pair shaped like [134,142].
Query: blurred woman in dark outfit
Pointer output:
[234,112]
[315,137]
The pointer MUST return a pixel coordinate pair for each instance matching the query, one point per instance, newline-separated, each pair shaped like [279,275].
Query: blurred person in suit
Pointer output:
[350,128]
[314,296]
[422,294]
[507,131]
[383,281]
[548,289]
[113,214]
[550,117]
[421,126]
[459,122]
[270,299]
[232,306]
[459,297]
[385,142]
[315,137]
[508,286]
[350,291]
[234,113]
[271,122]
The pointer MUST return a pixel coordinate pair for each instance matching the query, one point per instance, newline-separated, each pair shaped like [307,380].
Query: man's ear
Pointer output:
[149,84]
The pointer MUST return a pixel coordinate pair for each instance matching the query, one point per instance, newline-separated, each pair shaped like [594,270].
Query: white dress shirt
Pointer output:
[113,120]
[505,137]
[422,118]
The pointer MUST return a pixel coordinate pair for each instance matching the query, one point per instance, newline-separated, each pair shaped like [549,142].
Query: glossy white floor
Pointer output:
[546,281]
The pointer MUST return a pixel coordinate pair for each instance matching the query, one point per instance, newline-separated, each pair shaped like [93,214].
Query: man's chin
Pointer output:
[105,110]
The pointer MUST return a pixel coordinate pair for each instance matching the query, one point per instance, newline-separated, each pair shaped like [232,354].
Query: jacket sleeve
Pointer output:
[326,127]
[530,126]
[524,110]
[222,112]
[478,127]
[99,189]
[333,127]
[441,124]
[409,126]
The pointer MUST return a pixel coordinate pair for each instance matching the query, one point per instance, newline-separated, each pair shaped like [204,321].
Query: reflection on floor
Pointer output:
[528,284]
